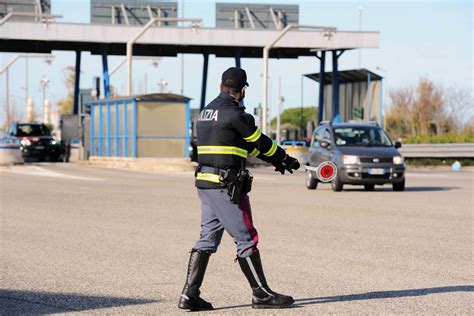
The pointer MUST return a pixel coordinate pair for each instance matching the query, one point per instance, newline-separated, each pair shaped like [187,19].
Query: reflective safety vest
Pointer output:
[226,135]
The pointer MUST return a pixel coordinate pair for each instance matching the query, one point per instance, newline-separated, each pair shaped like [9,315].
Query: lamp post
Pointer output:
[44,82]
[382,94]
[360,10]
[281,99]
[48,58]
[195,23]
[162,84]
[45,18]
[266,52]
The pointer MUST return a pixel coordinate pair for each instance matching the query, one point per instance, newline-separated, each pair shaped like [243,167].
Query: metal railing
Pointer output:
[464,150]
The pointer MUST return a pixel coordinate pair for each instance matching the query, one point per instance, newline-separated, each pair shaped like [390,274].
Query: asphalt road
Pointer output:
[84,239]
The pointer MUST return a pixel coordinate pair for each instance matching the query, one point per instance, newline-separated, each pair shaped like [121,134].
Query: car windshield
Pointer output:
[27,130]
[361,136]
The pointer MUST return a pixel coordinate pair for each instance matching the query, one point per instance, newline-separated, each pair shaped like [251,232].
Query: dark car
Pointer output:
[36,142]
[363,153]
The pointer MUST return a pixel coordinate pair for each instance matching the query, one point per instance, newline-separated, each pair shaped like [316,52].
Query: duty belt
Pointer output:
[211,174]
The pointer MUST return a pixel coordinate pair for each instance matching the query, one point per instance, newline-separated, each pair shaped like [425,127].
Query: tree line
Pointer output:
[429,113]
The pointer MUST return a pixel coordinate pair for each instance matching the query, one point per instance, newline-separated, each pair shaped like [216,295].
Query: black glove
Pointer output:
[291,163]
[280,168]
[288,164]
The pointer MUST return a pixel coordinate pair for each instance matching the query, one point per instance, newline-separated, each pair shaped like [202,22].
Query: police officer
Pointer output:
[226,135]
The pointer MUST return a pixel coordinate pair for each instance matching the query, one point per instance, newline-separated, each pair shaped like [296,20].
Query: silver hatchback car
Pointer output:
[363,153]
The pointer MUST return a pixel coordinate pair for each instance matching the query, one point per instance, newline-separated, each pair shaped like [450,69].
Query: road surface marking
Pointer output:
[42,172]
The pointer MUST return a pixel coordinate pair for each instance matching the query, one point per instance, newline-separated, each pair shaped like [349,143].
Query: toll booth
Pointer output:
[360,96]
[142,126]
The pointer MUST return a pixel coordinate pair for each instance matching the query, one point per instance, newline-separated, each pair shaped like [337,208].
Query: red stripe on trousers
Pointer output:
[244,206]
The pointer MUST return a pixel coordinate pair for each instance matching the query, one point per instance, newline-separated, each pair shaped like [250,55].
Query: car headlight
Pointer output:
[398,160]
[25,142]
[350,160]
[53,142]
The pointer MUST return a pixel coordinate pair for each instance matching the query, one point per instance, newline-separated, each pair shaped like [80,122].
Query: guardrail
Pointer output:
[464,150]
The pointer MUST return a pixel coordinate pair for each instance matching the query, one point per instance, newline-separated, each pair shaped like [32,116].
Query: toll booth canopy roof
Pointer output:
[347,76]
[163,97]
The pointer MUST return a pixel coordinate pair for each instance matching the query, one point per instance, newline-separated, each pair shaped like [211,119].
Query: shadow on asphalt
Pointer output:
[299,303]
[384,294]
[31,302]
[407,189]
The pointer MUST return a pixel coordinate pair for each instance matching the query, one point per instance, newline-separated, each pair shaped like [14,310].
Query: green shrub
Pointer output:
[465,137]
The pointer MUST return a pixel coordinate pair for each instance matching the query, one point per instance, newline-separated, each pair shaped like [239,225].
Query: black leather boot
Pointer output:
[263,296]
[196,269]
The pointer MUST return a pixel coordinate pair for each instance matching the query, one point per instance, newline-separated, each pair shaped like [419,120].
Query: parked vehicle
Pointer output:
[36,142]
[363,153]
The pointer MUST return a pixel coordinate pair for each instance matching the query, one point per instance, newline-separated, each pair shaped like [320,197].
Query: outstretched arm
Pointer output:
[261,146]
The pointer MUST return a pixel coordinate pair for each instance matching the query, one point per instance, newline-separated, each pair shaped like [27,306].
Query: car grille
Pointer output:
[371,159]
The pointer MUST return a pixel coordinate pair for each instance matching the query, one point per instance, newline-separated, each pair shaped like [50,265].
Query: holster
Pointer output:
[238,183]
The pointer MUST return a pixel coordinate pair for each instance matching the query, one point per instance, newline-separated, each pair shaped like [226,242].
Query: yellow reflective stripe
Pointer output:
[255,152]
[272,150]
[222,150]
[208,177]
[255,136]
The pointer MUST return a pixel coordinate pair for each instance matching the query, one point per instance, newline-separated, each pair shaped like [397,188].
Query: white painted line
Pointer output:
[42,172]
[426,175]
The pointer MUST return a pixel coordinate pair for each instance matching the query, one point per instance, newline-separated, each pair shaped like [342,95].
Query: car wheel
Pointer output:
[337,185]
[400,186]
[311,182]
[369,187]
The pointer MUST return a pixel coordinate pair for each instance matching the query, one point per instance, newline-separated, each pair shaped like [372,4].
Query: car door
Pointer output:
[314,157]
[326,153]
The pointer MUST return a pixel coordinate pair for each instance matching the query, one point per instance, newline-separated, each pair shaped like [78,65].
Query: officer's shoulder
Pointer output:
[240,115]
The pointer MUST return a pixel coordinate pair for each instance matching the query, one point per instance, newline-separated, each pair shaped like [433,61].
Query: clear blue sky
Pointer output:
[422,38]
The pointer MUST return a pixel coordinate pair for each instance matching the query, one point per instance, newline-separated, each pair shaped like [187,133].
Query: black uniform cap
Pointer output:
[234,78]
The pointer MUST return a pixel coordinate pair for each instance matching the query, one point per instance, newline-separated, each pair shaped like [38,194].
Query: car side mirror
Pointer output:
[324,144]
[398,144]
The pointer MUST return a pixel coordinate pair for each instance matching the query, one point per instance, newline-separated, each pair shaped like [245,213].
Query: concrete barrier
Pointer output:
[144,164]
[10,152]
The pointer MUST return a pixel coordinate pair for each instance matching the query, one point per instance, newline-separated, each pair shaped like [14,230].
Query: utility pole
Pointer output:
[360,9]
[182,55]
[48,59]
[26,80]
[44,82]
[301,106]
[281,99]
[7,100]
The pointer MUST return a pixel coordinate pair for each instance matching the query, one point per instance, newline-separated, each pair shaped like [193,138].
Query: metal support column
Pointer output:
[101,129]
[125,130]
[108,129]
[381,103]
[237,57]
[187,142]
[134,129]
[368,97]
[322,75]
[116,129]
[204,81]
[92,139]
[77,78]
[335,88]
[105,73]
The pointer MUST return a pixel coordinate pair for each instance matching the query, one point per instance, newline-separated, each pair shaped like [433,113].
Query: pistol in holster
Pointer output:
[238,183]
